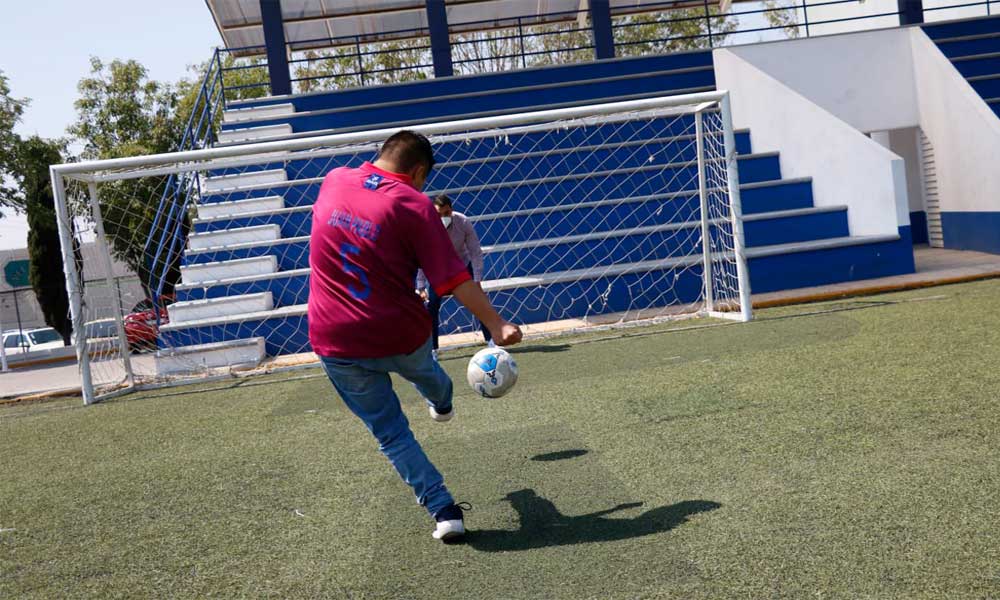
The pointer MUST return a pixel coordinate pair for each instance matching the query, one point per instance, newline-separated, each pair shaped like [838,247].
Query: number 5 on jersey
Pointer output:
[366,290]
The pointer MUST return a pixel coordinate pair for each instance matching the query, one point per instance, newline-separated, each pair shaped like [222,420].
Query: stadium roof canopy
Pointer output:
[325,23]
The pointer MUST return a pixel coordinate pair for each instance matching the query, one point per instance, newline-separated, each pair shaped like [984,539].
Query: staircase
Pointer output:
[973,46]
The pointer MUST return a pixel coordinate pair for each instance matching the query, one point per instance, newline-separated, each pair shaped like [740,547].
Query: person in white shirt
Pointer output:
[463,237]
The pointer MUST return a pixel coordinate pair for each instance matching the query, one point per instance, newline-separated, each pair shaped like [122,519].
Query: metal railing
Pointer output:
[523,41]
[938,11]
[405,55]
[166,238]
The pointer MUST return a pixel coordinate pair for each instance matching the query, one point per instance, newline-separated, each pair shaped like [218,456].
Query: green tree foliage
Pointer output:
[45,271]
[245,78]
[672,31]
[121,112]
[364,64]
[522,46]
[11,110]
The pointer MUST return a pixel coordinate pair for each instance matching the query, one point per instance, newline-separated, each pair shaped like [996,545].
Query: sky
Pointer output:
[46,45]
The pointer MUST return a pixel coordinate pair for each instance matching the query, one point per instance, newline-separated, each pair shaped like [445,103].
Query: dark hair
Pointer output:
[407,149]
[442,200]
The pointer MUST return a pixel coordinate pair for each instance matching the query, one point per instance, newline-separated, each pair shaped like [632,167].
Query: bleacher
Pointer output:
[974,48]
[245,271]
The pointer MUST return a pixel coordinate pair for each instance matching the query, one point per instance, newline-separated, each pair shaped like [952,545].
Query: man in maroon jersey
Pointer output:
[372,229]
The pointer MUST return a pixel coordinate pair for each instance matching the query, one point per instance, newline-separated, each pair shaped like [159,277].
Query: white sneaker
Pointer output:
[491,344]
[450,522]
[441,417]
[449,530]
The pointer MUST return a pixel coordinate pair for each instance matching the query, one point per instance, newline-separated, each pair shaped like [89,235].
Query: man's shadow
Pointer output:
[543,525]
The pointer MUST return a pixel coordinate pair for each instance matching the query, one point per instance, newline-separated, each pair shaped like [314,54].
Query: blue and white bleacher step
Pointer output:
[186,358]
[968,45]
[236,208]
[493,102]
[527,223]
[520,148]
[977,64]
[754,168]
[291,222]
[213,308]
[994,103]
[987,86]
[206,273]
[241,235]
[258,133]
[430,89]
[221,184]
[291,252]
[235,116]
[602,248]
[814,262]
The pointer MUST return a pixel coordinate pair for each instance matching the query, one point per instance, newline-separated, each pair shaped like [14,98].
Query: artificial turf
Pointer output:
[846,449]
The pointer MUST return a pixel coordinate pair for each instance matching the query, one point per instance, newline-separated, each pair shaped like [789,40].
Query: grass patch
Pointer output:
[840,449]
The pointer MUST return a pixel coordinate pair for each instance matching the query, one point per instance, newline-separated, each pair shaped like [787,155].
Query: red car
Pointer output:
[140,325]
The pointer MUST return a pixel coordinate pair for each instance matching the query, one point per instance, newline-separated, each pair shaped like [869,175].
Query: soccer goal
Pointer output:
[600,214]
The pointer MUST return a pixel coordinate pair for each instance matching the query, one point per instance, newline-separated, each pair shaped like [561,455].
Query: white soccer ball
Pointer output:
[492,372]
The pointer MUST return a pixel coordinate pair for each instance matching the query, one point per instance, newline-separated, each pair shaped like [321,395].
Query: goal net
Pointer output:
[599,214]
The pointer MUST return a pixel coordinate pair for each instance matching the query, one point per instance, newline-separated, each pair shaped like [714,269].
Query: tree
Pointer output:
[11,110]
[673,31]
[363,64]
[45,271]
[122,113]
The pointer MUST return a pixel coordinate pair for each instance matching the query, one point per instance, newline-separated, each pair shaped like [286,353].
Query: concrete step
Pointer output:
[221,183]
[227,237]
[969,45]
[213,308]
[291,287]
[205,273]
[240,207]
[256,113]
[590,291]
[248,352]
[255,134]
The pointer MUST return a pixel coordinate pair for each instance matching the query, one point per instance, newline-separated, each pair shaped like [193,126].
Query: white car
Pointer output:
[29,340]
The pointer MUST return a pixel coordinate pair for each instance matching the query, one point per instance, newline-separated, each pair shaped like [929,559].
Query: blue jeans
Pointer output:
[434,307]
[365,387]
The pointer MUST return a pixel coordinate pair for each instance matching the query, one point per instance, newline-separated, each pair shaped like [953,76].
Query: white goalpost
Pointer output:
[597,214]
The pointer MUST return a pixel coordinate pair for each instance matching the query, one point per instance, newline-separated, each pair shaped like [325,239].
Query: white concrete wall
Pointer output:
[847,167]
[963,130]
[905,143]
[871,81]
[865,79]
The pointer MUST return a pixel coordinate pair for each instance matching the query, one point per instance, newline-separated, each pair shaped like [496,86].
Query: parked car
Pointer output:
[100,331]
[140,324]
[140,328]
[29,340]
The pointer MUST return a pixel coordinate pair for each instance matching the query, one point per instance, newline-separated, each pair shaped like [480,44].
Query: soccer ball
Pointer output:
[492,372]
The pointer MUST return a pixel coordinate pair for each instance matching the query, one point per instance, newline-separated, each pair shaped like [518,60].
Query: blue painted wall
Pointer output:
[918,227]
[978,231]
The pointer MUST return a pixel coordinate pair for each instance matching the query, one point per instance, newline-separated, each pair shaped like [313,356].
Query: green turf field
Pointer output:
[841,450]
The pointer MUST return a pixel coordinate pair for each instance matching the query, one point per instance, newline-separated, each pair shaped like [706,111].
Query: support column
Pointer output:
[600,22]
[437,23]
[911,12]
[277,53]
